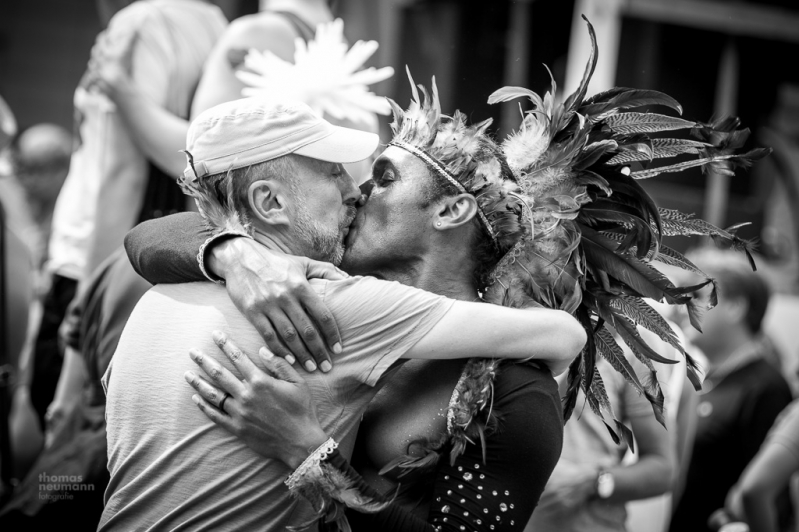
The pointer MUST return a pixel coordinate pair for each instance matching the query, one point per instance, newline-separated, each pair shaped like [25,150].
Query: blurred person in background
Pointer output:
[15,298]
[108,168]
[75,438]
[162,134]
[654,514]
[742,393]
[590,485]
[275,30]
[39,159]
[780,236]
[759,497]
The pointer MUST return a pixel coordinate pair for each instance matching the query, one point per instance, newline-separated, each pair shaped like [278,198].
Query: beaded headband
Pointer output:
[433,163]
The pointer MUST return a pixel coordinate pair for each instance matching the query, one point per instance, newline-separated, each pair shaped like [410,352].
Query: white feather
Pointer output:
[325,75]
[524,148]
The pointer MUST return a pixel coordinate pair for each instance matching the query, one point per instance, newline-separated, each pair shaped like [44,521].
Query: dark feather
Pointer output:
[661,148]
[623,98]
[630,123]
[576,98]
[644,315]
[610,351]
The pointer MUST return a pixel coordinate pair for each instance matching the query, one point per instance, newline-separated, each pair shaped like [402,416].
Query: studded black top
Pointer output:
[500,494]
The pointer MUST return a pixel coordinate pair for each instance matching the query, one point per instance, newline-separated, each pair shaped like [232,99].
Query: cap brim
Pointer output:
[343,145]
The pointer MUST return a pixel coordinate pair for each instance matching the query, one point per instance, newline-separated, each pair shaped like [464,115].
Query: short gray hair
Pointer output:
[223,198]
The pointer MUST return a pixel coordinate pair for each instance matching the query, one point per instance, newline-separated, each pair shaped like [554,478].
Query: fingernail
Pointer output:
[195,398]
[218,336]
[267,354]
[310,365]
[337,348]
[325,366]
[189,376]
[290,359]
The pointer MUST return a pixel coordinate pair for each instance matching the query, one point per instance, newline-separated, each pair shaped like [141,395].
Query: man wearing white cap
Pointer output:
[274,172]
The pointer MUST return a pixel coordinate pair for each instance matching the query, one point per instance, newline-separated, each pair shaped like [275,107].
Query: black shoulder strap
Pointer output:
[303,28]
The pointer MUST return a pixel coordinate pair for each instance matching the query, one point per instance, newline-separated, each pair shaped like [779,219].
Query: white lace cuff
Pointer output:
[313,460]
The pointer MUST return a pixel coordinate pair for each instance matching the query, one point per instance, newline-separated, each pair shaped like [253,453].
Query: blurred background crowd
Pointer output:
[736,442]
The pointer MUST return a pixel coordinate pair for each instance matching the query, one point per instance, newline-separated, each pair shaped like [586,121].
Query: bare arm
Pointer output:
[68,393]
[769,474]
[474,329]
[765,477]
[164,250]
[686,433]
[652,474]
[263,31]
[159,134]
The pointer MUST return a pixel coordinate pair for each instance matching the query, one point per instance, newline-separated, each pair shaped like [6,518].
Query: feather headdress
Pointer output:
[594,231]
[465,157]
[325,75]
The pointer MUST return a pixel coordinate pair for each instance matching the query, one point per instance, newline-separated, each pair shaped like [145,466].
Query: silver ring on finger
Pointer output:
[222,403]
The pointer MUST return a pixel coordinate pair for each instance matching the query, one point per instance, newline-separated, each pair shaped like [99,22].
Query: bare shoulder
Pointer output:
[262,31]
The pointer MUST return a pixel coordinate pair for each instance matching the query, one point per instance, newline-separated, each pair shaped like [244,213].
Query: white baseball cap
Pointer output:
[254,130]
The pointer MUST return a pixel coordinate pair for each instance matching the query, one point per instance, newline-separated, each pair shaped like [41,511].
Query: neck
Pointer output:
[725,345]
[442,273]
[272,241]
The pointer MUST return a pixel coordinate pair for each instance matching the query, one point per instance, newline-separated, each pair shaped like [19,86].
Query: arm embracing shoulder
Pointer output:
[164,250]
[478,330]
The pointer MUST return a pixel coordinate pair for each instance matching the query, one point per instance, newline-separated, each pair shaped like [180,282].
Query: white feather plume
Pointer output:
[524,147]
[325,75]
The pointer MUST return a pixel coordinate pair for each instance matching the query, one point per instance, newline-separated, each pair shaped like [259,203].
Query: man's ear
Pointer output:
[269,201]
[455,211]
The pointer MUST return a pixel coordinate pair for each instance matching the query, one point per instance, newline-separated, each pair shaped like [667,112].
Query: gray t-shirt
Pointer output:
[172,468]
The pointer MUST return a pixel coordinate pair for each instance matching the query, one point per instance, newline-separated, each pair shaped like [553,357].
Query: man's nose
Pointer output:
[350,193]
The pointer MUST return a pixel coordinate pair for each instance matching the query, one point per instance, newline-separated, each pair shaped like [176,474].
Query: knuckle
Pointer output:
[246,396]
[326,318]
[309,333]
[236,354]
[215,373]
[289,333]
[268,335]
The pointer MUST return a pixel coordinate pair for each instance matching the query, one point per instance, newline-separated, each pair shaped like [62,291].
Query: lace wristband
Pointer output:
[213,240]
[330,485]
[313,461]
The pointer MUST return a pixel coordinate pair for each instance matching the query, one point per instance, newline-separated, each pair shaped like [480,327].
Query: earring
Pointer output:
[438,224]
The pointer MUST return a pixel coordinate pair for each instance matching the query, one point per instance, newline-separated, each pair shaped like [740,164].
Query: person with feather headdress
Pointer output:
[558,221]
[273,171]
